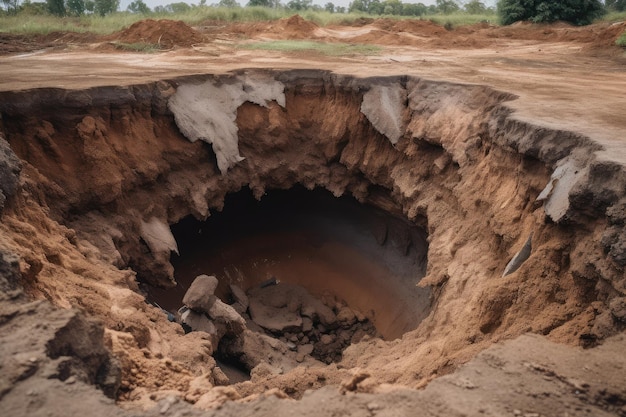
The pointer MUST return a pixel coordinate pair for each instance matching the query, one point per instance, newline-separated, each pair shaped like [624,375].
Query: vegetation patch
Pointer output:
[621,41]
[330,49]
[148,48]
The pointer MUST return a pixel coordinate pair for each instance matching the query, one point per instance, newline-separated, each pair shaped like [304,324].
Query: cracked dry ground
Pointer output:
[446,161]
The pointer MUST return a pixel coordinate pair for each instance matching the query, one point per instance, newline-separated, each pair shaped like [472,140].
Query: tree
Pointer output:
[138,6]
[178,7]
[358,6]
[340,9]
[299,4]
[76,7]
[393,7]
[578,12]
[617,5]
[375,7]
[11,6]
[105,7]
[414,9]
[90,5]
[475,7]
[329,7]
[56,7]
[264,3]
[228,3]
[447,6]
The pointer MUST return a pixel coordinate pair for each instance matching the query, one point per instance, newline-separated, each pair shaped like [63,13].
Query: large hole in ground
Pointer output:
[293,249]
[452,154]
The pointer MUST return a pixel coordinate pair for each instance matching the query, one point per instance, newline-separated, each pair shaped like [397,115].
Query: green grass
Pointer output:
[621,41]
[613,17]
[330,49]
[143,47]
[462,19]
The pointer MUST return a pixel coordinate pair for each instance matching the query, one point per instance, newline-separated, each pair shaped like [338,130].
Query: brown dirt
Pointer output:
[164,33]
[77,235]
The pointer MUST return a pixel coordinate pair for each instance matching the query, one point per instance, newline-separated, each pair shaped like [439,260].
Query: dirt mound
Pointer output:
[415,27]
[294,27]
[165,33]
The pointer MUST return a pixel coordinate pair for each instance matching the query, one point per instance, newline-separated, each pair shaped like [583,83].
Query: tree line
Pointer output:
[574,11]
[373,7]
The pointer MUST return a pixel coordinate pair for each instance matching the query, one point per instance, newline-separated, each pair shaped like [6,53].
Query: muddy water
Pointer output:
[332,247]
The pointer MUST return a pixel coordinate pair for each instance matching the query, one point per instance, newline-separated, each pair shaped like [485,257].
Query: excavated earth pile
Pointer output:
[507,228]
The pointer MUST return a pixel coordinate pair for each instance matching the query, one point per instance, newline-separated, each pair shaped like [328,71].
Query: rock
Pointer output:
[219,376]
[274,319]
[314,308]
[227,317]
[217,397]
[41,343]
[305,349]
[158,235]
[239,296]
[199,322]
[199,296]
[10,168]
[618,309]
[346,316]
[327,339]
[385,107]
[307,324]
[519,258]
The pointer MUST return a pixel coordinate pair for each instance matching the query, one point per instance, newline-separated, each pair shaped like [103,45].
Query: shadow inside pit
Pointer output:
[330,246]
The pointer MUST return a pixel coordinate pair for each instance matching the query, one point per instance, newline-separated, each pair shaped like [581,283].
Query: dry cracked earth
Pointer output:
[436,229]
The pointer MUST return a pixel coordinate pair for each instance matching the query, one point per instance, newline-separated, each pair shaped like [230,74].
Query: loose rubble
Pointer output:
[272,328]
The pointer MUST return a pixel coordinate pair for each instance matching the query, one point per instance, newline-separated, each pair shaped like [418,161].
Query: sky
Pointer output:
[153,3]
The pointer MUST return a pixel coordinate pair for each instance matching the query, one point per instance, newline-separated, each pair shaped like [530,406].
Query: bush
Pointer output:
[578,12]
[621,41]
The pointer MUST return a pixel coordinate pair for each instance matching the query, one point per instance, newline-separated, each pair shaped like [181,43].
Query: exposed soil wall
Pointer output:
[104,171]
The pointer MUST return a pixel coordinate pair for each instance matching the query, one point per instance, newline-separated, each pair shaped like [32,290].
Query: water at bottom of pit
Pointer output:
[342,252]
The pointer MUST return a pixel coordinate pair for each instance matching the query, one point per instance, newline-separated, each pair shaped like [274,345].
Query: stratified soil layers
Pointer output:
[91,180]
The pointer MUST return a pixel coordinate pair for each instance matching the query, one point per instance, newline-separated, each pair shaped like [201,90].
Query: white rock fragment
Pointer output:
[555,196]
[385,106]
[158,236]
[208,111]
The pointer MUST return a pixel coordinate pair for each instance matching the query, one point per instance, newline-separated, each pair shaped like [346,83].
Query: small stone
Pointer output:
[199,296]
[70,380]
[307,324]
[305,349]
[346,316]
[227,316]
[327,339]
[373,406]
[219,376]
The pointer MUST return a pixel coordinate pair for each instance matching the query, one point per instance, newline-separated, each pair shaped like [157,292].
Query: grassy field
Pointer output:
[44,24]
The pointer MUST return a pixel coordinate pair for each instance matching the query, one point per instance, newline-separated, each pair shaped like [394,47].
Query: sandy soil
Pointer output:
[538,63]
[566,79]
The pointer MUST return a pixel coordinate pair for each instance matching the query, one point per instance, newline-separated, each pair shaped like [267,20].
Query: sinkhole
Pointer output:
[317,216]
[361,263]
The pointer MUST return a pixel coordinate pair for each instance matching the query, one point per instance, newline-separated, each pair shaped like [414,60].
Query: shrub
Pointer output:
[578,12]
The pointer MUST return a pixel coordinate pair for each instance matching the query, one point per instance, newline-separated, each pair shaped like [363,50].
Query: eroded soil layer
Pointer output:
[92,180]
